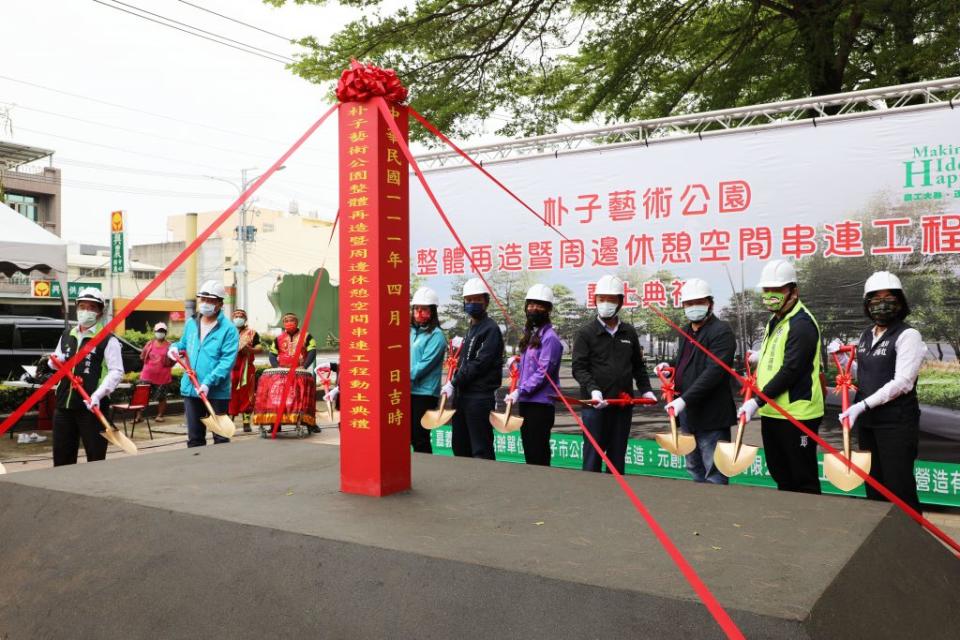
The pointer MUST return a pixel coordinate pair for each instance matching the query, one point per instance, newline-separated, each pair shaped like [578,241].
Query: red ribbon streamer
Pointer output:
[91,344]
[432,129]
[285,390]
[873,482]
[700,588]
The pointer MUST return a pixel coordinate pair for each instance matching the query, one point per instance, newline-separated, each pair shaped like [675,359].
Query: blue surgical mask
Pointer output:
[207,308]
[239,322]
[697,312]
[474,309]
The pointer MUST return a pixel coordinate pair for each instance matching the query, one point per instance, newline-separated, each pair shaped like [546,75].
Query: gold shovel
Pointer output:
[110,433]
[840,473]
[679,444]
[733,458]
[222,425]
[505,422]
[330,416]
[2,469]
[441,415]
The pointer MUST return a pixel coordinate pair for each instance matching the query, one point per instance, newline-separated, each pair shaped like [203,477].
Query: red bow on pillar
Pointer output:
[361,82]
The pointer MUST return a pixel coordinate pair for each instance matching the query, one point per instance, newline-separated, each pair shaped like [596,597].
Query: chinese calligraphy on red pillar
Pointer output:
[374,313]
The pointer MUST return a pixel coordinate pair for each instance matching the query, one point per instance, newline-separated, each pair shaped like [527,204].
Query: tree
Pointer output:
[549,60]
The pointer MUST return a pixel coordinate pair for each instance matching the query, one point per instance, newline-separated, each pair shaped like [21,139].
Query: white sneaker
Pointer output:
[23,439]
[36,437]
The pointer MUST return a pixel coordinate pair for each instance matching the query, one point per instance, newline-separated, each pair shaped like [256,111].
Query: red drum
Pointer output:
[301,406]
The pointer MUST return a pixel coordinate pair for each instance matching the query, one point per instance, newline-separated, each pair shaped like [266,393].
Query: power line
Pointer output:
[139,132]
[107,146]
[142,111]
[117,168]
[275,35]
[251,50]
[146,191]
[209,33]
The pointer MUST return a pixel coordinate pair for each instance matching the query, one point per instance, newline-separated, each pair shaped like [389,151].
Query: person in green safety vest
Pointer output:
[788,372]
[100,372]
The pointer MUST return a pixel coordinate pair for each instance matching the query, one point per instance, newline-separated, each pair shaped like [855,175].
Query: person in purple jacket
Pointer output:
[540,351]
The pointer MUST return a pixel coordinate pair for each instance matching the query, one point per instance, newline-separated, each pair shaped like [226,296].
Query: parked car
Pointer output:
[26,339]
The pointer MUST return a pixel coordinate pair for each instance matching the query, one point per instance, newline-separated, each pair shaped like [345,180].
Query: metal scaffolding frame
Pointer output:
[933,94]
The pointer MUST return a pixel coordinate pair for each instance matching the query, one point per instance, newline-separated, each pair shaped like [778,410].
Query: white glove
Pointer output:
[173,353]
[513,359]
[753,357]
[331,396]
[650,395]
[447,390]
[678,405]
[457,342]
[657,369]
[94,400]
[853,412]
[513,396]
[52,363]
[323,366]
[748,409]
[204,390]
[834,346]
[597,396]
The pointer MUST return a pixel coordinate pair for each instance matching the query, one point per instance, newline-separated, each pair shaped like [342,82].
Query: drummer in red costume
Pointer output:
[283,352]
[243,378]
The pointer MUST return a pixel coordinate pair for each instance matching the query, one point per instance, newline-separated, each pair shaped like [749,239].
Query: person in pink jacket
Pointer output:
[156,369]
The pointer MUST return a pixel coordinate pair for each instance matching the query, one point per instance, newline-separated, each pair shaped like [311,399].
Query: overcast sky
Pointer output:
[85,48]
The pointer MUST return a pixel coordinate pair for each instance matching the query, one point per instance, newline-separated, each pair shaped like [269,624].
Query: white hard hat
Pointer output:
[90,294]
[777,273]
[609,285]
[212,289]
[881,280]
[159,326]
[540,292]
[425,296]
[473,287]
[694,289]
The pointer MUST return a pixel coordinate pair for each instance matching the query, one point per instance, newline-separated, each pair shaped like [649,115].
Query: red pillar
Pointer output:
[374,303]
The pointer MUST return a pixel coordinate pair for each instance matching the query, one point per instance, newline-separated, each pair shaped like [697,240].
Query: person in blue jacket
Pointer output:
[210,341]
[428,346]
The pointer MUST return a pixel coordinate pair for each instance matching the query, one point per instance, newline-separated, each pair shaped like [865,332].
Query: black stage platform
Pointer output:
[254,540]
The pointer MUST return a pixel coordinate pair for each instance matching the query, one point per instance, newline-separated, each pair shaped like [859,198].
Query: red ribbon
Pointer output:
[719,614]
[362,82]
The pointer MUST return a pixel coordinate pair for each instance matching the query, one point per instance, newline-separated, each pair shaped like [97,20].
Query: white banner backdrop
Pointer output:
[706,208]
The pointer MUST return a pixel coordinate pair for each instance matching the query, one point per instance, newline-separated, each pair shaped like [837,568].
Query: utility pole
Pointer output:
[240,268]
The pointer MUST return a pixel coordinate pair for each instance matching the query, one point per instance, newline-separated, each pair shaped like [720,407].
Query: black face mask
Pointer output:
[883,312]
[538,318]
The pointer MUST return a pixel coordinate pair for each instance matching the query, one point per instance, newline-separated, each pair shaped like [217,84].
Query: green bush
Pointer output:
[12,397]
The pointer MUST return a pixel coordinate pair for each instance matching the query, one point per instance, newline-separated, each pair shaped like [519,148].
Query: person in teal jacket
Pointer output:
[210,341]
[428,346]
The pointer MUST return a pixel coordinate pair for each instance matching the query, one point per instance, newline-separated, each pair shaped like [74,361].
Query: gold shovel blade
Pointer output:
[328,415]
[125,443]
[2,470]
[438,417]
[843,477]
[220,425]
[729,462]
[683,445]
[506,422]
[679,444]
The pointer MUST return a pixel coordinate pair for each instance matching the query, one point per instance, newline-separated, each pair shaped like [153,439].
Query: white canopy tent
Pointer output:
[26,246]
